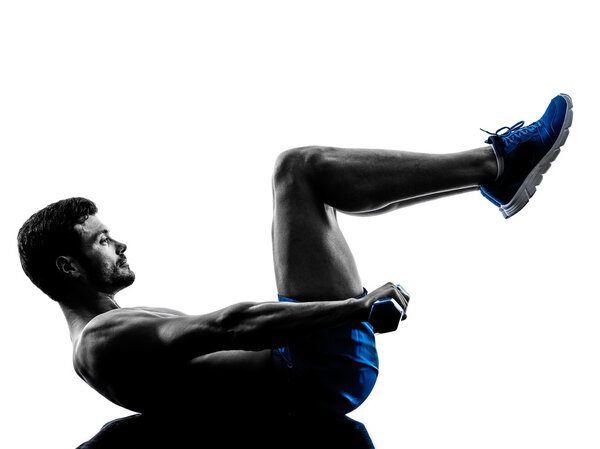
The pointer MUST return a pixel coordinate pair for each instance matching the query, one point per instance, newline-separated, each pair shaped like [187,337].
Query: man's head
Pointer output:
[65,247]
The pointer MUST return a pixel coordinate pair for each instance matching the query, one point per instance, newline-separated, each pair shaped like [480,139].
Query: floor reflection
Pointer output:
[137,431]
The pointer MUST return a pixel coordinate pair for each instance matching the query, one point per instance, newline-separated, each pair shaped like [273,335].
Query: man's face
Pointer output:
[103,262]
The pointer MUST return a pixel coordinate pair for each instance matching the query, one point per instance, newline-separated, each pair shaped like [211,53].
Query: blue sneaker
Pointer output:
[524,154]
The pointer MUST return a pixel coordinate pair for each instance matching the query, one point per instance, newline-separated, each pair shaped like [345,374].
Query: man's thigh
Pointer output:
[311,256]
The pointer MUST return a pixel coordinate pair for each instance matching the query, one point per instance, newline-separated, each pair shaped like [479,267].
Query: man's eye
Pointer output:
[103,241]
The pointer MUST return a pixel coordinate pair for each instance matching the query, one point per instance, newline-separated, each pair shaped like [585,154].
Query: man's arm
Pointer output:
[256,326]
[244,326]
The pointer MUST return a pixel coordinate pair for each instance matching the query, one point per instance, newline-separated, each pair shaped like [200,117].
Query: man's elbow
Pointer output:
[241,329]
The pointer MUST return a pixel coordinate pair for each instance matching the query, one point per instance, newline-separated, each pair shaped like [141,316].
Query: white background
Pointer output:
[169,115]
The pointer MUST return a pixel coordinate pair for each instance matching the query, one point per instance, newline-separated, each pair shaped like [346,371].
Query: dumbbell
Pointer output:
[386,313]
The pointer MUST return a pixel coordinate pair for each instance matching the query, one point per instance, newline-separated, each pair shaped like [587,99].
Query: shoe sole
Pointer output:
[534,178]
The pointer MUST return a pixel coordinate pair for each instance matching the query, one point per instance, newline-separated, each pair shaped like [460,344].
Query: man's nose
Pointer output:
[121,247]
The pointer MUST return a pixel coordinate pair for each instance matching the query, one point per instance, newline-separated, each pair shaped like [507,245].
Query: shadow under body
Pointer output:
[138,431]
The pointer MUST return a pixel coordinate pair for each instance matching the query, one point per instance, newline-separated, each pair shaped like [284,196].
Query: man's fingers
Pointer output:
[388,306]
[394,291]
[397,295]
[404,292]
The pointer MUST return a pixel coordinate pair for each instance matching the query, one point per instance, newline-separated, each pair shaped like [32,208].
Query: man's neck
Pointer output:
[81,311]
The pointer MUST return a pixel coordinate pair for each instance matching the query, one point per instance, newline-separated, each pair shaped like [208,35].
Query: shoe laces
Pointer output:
[509,133]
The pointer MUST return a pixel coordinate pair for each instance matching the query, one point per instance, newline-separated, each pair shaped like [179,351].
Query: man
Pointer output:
[314,350]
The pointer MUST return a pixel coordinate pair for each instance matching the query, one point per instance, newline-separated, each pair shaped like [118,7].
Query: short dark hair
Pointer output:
[50,233]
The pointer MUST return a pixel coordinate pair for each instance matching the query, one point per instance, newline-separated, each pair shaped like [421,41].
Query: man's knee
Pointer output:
[298,165]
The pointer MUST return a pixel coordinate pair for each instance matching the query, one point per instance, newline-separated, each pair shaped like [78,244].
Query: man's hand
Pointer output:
[384,315]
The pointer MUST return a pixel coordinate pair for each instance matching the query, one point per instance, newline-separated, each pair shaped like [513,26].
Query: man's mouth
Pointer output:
[122,263]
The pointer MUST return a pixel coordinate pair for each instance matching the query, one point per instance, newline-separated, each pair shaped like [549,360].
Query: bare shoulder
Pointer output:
[119,336]
[119,346]
[120,323]
[116,349]
[125,319]
[162,310]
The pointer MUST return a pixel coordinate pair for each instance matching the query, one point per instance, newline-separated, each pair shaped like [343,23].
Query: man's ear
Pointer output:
[67,266]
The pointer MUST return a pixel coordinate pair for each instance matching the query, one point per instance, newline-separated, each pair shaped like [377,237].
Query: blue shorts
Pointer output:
[332,371]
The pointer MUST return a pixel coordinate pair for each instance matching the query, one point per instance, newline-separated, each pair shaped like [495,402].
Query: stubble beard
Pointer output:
[123,278]
[116,279]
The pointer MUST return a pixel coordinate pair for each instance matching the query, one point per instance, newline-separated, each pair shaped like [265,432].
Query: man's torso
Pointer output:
[142,376]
